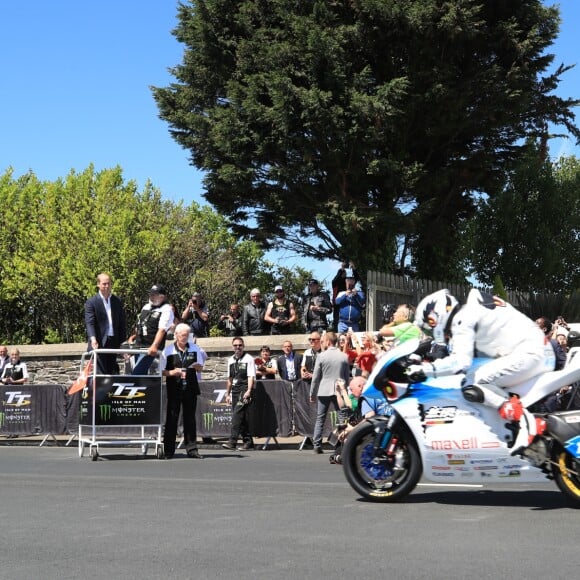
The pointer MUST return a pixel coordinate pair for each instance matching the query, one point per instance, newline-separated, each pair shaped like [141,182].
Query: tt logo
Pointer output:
[220,395]
[17,398]
[127,391]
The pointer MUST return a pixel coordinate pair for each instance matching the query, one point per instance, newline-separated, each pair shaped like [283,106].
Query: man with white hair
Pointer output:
[253,323]
[181,362]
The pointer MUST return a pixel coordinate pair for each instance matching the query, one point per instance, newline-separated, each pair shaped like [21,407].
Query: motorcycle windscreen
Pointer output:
[371,391]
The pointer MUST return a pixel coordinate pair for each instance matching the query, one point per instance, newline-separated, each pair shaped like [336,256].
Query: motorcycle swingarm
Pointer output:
[564,426]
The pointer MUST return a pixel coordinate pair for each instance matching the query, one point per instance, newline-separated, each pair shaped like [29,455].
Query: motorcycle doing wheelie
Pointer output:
[428,429]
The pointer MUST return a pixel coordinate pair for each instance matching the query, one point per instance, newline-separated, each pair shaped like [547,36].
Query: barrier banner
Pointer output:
[31,409]
[73,407]
[270,413]
[280,408]
[122,400]
[305,412]
[51,410]
[213,415]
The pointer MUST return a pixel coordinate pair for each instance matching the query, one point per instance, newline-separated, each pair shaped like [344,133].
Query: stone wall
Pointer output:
[60,363]
[64,370]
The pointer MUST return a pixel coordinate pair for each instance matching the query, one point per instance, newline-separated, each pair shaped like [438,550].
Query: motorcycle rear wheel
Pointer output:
[568,482]
[387,477]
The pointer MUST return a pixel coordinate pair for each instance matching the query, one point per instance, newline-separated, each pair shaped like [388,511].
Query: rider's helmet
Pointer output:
[434,314]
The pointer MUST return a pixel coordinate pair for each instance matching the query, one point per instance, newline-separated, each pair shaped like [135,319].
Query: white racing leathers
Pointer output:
[486,326]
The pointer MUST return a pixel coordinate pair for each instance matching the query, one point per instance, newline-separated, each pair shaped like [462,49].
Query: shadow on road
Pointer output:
[534,499]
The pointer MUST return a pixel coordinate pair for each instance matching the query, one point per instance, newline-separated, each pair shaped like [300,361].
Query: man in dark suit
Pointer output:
[289,363]
[105,323]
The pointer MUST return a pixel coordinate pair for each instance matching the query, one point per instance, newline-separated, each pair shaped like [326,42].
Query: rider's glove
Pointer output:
[416,374]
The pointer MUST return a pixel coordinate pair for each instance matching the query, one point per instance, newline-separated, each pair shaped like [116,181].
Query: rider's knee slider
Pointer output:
[473,394]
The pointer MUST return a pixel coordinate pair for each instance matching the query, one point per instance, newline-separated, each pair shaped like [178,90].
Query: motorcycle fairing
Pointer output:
[460,442]
[463,442]
[573,447]
[408,347]
[538,387]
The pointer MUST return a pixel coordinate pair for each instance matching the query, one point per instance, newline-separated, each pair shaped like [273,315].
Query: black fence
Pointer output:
[280,409]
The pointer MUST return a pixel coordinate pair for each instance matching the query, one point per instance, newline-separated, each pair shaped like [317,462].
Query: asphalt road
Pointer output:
[272,514]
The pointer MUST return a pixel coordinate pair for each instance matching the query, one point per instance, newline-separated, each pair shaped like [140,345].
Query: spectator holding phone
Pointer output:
[197,311]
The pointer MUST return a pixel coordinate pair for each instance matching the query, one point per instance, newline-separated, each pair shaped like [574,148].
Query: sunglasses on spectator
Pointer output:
[313,340]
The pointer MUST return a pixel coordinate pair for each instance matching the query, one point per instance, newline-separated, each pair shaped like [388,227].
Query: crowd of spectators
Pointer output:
[334,367]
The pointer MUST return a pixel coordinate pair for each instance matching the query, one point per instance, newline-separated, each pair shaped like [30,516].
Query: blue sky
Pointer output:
[75,90]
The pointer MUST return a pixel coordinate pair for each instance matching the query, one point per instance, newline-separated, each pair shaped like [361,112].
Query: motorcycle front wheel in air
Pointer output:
[566,475]
[381,475]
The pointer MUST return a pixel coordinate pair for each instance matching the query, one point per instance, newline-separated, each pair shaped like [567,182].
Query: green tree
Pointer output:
[67,231]
[361,128]
[529,233]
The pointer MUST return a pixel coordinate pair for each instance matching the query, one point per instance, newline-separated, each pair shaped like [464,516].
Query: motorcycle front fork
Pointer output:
[385,442]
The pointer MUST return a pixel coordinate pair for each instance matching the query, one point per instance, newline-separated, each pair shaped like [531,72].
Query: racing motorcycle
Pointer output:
[428,429]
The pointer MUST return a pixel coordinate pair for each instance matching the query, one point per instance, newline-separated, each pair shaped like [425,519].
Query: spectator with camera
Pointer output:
[366,353]
[280,313]
[562,339]
[346,346]
[253,323]
[266,367]
[316,307]
[15,372]
[560,332]
[351,303]
[231,323]
[349,413]
[197,311]
[339,285]
[548,329]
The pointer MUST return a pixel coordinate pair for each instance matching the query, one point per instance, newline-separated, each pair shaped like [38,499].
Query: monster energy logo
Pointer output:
[1,419]
[105,412]
[207,421]
[333,418]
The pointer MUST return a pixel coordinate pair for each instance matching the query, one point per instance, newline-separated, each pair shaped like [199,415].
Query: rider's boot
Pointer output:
[512,410]
[509,409]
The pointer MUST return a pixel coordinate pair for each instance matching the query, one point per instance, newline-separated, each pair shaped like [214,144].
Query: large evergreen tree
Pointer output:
[361,127]
[529,233]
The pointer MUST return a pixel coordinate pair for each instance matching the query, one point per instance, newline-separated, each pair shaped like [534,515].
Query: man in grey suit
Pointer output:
[332,364]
